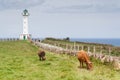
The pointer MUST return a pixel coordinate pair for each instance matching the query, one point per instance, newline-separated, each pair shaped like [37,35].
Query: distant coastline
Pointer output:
[114,42]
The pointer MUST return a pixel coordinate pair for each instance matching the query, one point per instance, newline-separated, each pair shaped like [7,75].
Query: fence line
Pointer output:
[9,39]
[15,39]
[60,50]
[108,50]
[92,49]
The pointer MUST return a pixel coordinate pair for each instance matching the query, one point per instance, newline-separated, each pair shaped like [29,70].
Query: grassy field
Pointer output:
[19,61]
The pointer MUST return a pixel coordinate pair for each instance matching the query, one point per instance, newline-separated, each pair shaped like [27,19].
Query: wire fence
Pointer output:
[9,39]
[72,50]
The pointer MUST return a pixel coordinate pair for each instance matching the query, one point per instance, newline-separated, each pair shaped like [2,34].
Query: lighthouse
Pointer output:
[25,35]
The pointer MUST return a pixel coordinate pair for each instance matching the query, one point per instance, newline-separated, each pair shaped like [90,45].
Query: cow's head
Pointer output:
[44,58]
[90,66]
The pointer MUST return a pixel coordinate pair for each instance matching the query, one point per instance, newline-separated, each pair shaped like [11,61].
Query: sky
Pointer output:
[61,18]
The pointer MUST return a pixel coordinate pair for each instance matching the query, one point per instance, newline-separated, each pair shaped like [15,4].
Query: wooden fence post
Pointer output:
[88,49]
[78,48]
[74,45]
[109,51]
[81,47]
[71,48]
[66,47]
[58,45]
[94,49]
[101,50]
[54,44]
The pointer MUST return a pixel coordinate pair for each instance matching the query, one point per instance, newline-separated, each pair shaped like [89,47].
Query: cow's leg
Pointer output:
[81,64]
[40,58]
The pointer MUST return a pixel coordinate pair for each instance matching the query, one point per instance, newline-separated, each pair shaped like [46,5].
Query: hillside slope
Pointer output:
[104,48]
[19,61]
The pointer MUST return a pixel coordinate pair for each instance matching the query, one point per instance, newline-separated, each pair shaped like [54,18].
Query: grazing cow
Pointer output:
[41,55]
[84,58]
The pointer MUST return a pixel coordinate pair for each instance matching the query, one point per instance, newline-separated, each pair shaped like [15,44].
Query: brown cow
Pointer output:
[41,55]
[84,58]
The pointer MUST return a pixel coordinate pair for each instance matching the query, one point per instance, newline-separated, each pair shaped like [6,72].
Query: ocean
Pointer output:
[114,42]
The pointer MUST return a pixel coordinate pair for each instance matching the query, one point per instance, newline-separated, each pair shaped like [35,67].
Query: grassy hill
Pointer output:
[19,61]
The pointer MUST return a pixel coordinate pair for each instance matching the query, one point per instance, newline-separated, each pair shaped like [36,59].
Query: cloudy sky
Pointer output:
[62,18]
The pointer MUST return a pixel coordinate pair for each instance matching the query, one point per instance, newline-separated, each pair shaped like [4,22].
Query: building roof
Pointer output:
[25,12]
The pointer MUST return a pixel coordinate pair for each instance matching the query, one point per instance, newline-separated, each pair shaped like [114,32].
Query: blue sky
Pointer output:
[62,18]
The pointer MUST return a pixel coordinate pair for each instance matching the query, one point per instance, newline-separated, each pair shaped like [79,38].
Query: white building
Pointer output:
[25,35]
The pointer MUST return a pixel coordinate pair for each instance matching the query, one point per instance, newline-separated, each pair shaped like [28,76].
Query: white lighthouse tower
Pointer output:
[25,34]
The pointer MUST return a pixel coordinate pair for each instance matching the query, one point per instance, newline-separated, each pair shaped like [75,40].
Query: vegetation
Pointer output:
[19,61]
[68,41]
[115,51]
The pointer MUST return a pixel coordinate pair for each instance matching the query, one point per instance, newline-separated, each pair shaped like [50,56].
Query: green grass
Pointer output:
[19,61]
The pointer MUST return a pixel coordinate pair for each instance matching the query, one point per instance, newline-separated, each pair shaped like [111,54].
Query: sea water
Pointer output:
[114,42]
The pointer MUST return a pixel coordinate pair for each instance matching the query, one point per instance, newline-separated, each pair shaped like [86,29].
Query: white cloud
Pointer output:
[76,6]
[17,4]
[64,6]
